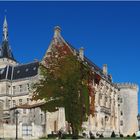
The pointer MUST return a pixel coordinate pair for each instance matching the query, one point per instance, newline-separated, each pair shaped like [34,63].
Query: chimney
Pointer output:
[57,31]
[105,69]
[74,52]
[81,53]
[110,77]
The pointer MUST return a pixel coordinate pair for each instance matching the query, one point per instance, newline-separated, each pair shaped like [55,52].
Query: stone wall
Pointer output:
[9,131]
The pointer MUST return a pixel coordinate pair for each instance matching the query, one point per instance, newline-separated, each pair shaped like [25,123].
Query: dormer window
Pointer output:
[34,68]
[2,70]
[18,71]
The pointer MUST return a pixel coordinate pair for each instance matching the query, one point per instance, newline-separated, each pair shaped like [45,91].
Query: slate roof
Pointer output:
[3,73]
[5,51]
[19,71]
[26,70]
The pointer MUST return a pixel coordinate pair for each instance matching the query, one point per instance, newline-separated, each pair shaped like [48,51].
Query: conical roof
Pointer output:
[5,51]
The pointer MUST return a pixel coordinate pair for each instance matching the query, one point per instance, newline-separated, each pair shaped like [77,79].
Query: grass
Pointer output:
[69,136]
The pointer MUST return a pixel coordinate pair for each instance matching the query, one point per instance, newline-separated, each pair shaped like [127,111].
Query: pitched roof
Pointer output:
[59,40]
[19,71]
[25,70]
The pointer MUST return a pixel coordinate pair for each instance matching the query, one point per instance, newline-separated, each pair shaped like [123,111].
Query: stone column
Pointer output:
[61,118]
[33,130]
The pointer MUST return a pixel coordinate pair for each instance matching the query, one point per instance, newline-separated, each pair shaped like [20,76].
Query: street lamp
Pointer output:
[16,113]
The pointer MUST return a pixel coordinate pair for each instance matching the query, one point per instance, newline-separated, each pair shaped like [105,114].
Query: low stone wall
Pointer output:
[9,131]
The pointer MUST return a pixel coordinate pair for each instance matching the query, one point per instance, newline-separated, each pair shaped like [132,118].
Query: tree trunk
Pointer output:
[45,127]
[74,132]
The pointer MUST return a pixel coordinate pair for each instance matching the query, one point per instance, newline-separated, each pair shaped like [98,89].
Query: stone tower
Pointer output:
[128,104]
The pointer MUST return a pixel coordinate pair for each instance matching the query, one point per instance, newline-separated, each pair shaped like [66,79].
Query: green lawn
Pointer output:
[69,136]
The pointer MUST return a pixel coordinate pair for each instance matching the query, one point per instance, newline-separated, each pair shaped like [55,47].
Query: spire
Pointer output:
[5,30]
[5,50]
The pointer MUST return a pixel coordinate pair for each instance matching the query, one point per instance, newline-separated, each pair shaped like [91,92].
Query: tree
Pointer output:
[65,83]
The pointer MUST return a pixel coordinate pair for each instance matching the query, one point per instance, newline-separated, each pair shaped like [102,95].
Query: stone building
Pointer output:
[116,105]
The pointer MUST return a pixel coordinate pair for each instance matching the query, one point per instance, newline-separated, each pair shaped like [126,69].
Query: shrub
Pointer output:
[92,136]
[134,135]
[113,135]
[84,134]
[101,136]
[52,136]
[121,135]
[63,137]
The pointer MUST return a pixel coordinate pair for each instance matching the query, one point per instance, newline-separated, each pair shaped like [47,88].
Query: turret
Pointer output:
[128,107]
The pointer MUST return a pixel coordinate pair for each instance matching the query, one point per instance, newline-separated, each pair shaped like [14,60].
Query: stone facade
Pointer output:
[116,105]
[106,117]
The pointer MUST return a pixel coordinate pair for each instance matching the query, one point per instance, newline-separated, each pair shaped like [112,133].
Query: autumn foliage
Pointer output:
[66,82]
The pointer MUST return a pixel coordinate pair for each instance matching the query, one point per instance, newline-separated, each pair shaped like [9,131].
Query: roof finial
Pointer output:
[5,30]
[57,31]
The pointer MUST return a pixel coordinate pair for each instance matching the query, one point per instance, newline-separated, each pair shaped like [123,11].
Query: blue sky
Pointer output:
[109,32]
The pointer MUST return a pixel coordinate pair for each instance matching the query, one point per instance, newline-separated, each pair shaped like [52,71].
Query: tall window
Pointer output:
[28,100]
[14,90]
[102,121]
[20,101]
[100,98]
[121,122]
[14,103]
[26,130]
[28,87]
[105,103]
[8,89]
[20,88]
[9,103]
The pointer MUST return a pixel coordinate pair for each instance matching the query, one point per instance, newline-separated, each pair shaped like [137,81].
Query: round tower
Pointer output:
[128,106]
